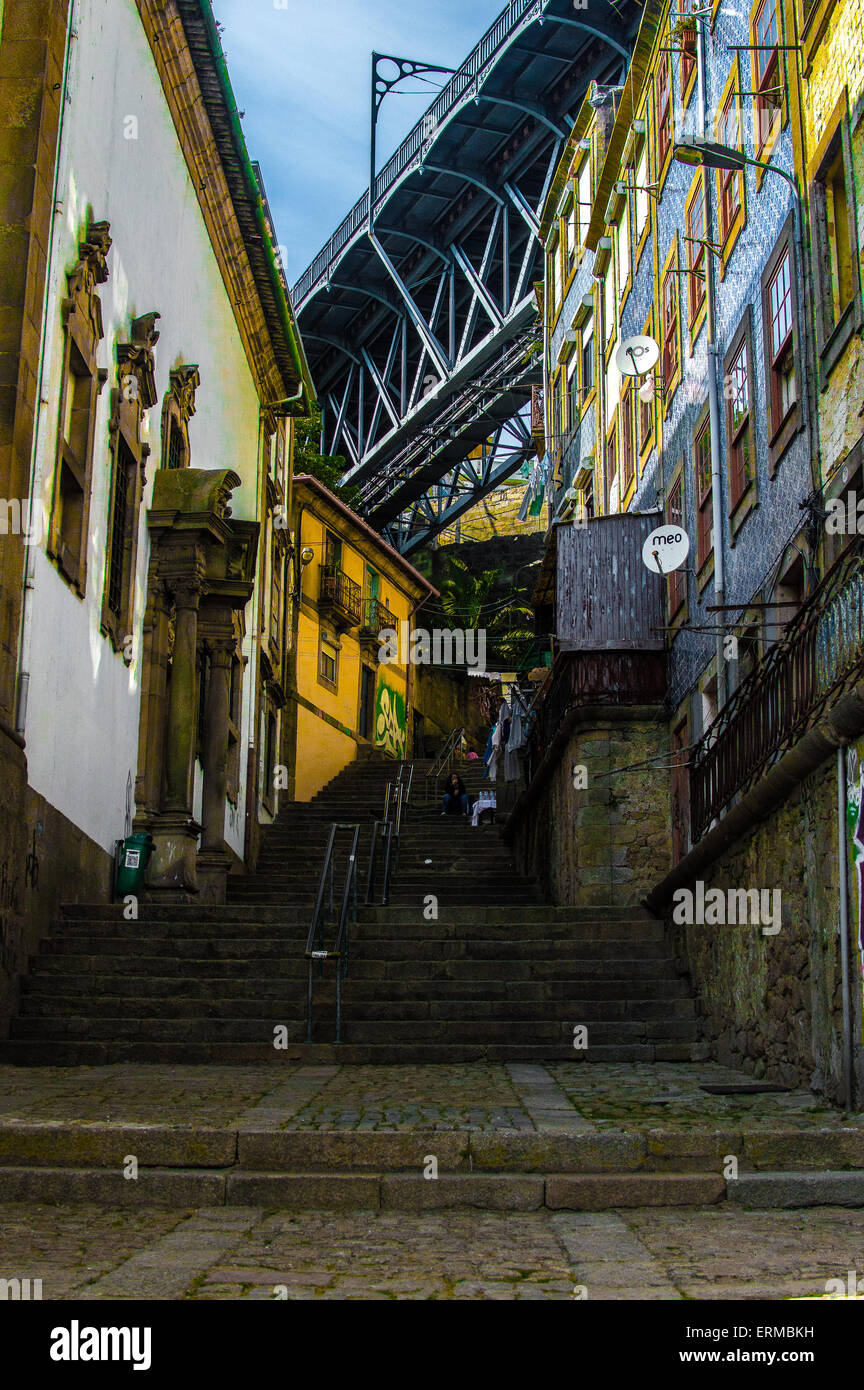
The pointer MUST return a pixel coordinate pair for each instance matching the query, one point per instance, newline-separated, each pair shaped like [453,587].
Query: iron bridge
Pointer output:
[420,322]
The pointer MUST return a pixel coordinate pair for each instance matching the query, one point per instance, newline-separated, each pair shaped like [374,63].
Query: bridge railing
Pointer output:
[449,97]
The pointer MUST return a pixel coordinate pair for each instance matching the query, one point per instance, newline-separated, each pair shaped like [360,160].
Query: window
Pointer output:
[81,383]
[176,446]
[587,358]
[570,232]
[573,390]
[612,459]
[835,250]
[730,180]
[583,196]
[622,238]
[695,220]
[628,464]
[783,389]
[779,309]
[328,668]
[278,562]
[664,110]
[646,417]
[609,304]
[332,553]
[676,582]
[739,430]
[704,495]
[131,398]
[687,42]
[670,331]
[76,442]
[642,194]
[555,278]
[766,72]
[124,471]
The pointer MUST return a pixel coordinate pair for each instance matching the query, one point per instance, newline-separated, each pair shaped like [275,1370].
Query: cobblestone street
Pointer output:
[278,1250]
[88,1252]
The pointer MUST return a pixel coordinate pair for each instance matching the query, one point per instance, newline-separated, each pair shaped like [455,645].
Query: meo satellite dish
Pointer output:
[637,356]
[666,549]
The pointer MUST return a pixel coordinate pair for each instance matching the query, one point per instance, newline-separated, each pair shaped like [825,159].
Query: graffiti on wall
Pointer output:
[391,719]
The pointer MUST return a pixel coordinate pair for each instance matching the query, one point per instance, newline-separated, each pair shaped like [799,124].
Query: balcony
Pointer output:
[376,618]
[340,601]
[799,678]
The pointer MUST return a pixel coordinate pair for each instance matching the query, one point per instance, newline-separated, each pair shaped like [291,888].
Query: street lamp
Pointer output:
[707,154]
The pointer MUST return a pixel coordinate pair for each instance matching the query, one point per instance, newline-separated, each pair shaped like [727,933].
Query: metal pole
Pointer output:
[373,125]
[843,870]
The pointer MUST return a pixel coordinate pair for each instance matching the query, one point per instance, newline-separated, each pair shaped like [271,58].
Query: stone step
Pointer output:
[174,1004]
[575,970]
[49,988]
[363,949]
[185,912]
[414,929]
[157,1187]
[88,1053]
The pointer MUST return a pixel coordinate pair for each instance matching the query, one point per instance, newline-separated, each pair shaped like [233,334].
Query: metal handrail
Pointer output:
[406,770]
[316,950]
[445,757]
[382,833]
[457,90]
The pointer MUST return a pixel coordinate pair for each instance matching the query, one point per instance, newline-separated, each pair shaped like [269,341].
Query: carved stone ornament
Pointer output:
[184,383]
[136,363]
[91,270]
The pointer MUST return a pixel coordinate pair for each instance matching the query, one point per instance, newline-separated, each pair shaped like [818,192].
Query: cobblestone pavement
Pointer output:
[88,1252]
[473,1096]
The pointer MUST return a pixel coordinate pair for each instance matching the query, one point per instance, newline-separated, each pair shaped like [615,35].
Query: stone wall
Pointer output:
[53,863]
[608,843]
[772,1004]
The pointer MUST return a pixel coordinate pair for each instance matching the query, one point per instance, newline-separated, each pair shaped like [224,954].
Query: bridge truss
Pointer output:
[420,321]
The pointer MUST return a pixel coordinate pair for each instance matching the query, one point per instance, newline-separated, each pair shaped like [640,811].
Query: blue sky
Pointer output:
[301,74]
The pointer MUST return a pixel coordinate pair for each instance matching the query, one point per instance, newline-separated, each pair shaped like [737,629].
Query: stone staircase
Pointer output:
[495,976]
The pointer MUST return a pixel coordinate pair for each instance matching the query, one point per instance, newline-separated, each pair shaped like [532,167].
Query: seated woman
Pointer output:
[456,800]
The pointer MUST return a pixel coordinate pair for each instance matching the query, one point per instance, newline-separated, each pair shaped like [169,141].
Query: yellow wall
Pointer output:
[833,59]
[322,750]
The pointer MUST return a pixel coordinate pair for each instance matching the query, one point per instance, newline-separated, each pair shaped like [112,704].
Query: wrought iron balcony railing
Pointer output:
[376,617]
[342,596]
[784,695]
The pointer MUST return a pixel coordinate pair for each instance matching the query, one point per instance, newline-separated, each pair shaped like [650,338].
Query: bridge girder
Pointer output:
[457,212]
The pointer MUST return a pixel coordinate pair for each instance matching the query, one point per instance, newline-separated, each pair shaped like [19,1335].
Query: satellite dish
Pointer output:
[666,549]
[637,356]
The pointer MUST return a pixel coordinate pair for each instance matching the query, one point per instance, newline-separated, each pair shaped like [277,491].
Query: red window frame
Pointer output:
[670,329]
[780,310]
[676,582]
[767,60]
[738,426]
[704,494]
[664,109]
[628,461]
[730,179]
[695,219]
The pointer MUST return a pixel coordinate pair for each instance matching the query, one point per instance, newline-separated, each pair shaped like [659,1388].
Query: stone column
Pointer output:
[173,868]
[213,858]
[183,704]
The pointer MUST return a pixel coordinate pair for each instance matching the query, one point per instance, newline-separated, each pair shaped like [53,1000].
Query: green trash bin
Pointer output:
[132,868]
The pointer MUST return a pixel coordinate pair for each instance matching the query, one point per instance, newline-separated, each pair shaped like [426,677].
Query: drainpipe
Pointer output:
[843,870]
[25,638]
[714,367]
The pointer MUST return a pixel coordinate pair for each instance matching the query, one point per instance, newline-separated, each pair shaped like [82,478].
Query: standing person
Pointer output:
[456,800]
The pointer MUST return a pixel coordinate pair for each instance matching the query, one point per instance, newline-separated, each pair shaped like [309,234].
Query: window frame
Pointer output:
[670,276]
[834,332]
[704,501]
[742,504]
[675,515]
[730,230]
[781,432]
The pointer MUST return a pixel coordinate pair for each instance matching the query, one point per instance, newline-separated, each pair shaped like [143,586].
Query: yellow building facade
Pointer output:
[350,587]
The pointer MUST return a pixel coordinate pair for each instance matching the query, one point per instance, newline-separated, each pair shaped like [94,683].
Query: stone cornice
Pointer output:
[165,34]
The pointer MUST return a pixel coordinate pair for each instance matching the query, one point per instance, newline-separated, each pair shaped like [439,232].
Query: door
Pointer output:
[367,702]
